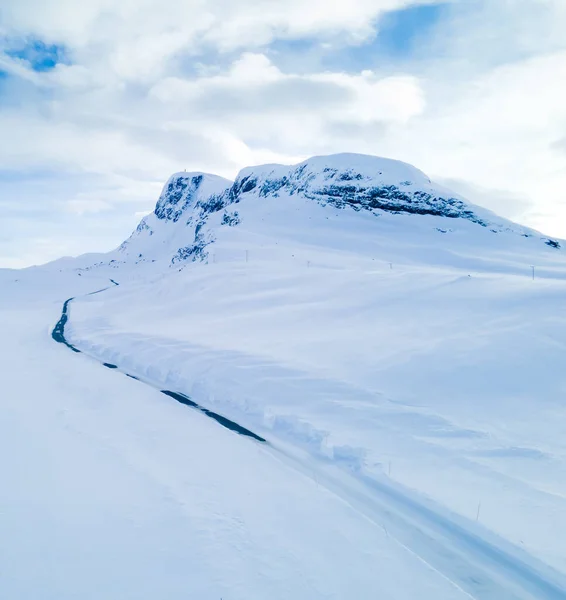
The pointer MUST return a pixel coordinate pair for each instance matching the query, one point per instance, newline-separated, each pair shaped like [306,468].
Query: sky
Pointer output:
[100,101]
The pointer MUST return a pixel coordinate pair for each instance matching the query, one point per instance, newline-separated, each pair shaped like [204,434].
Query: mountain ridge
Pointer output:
[182,225]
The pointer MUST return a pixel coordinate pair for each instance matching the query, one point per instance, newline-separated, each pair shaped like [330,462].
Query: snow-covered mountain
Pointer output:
[186,199]
[400,349]
[195,209]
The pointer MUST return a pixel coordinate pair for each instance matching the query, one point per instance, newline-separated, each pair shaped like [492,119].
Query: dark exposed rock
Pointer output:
[349,188]
[343,183]
[231,219]
[176,197]
[552,243]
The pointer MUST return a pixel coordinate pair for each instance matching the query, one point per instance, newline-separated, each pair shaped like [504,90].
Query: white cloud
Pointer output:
[155,87]
[83,206]
[501,133]
[135,40]
[253,83]
[222,22]
[17,67]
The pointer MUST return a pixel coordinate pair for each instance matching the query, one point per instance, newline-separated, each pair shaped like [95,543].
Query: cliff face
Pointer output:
[356,181]
[194,206]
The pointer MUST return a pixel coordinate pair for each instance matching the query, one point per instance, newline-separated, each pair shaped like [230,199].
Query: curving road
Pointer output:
[58,334]
[475,561]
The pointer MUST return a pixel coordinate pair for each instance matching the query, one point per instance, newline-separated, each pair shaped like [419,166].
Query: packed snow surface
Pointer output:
[400,349]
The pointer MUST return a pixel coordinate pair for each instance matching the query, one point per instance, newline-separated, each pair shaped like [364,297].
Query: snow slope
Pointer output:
[452,385]
[384,335]
[112,490]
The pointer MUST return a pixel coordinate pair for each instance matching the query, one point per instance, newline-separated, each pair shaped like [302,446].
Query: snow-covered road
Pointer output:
[473,560]
[112,490]
[58,334]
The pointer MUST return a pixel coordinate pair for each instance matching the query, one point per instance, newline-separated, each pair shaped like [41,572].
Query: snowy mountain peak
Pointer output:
[326,198]
[167,229]
[182,191]
[358,166]
[358,181]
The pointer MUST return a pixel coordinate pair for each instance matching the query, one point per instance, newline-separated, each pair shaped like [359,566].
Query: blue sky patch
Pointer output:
[40,56]
[401,36]
[400,31]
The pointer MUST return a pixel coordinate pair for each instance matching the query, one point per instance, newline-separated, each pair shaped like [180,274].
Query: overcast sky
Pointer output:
[101,100]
